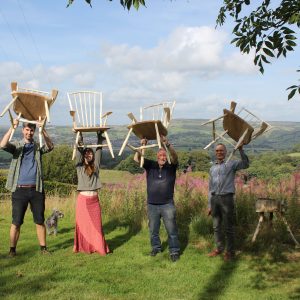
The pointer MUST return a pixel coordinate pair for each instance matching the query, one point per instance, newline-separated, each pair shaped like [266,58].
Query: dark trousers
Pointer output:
[168,213]
[20,200]
[223,212]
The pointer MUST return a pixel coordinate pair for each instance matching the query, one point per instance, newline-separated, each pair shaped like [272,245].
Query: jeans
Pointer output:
[168,213]
[223,211]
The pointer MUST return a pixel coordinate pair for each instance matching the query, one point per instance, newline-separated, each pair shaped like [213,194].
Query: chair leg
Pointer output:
[125,142]
[47,111]
[109,144]
[157,136]
[281,216]
[12,125]
[239,143]
[142,160]
[261,219]
[167,153]
[8,106]
[76,144]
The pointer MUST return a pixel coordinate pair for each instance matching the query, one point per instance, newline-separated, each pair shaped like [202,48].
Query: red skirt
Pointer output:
[89,235]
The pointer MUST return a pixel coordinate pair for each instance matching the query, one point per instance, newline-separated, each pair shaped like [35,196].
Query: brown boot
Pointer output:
[214,253]
[229,256]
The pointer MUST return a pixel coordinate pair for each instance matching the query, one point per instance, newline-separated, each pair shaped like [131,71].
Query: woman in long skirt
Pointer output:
[89,236]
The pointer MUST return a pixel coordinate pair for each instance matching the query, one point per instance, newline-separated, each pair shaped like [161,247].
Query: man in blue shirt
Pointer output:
[220,198]
[161,178]
[25,181]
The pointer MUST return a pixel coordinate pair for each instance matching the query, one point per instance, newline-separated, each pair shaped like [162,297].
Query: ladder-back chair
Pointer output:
[31,106]
[242,127]
[87,115]
[154,121]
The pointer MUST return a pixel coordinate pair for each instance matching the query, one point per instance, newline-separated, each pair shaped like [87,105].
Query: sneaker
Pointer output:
[154,252]
[214,253]
[174,257]
[12,253]
[229,256]
[45,252]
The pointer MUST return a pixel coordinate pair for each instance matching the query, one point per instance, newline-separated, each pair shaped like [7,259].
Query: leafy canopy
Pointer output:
[267,28]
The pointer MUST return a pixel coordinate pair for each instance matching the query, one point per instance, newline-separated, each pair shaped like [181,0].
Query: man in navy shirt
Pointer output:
[25,181]
[161,178]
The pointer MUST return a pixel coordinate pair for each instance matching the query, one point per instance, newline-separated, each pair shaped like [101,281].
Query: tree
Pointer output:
[267,29]
[58,166]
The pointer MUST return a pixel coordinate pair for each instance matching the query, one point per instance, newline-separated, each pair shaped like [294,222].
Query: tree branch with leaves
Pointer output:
[269,30]
[125,3]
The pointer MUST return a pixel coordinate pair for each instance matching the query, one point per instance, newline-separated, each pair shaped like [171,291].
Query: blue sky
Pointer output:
[169,50]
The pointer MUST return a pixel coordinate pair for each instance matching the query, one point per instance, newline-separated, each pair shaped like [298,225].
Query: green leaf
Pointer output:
[269,44]
[287,30]
[291,43]
[292,94]
[292,87]
[136,4]
[265,59]
[290,37]
[268,52]
[259,46]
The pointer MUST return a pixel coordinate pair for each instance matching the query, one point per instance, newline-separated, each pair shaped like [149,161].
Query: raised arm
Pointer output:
[173,154]
[138,154]
[98,152]
[4,143]
[48,141]
[244,162]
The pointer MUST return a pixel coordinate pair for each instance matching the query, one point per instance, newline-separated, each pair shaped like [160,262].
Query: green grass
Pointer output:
[129,273]
[295,154]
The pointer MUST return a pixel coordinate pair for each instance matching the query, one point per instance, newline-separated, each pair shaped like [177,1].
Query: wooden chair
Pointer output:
[31,106]
[242,127]
[272,206]
[154,121]
[86,112]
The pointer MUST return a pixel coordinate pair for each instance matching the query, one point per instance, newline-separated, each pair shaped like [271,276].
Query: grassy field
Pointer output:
[267,270]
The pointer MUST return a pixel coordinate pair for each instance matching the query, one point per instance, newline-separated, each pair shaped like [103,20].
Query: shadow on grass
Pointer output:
[19,284]
[117,241]
[66,230]
[219,281]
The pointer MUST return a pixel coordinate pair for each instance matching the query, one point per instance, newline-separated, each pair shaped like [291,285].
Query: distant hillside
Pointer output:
[189,135]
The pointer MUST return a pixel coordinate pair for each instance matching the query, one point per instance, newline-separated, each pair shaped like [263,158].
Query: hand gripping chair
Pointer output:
[154,121]
[86,112]
[242,127]
[31,106]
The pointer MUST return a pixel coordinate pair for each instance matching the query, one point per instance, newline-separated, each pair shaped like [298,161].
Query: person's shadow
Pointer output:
[133,228]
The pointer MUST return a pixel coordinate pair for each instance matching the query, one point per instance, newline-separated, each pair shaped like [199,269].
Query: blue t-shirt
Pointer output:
[160,182]
[28,168]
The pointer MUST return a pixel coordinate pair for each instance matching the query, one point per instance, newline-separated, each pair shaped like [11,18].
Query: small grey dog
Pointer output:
[51,222]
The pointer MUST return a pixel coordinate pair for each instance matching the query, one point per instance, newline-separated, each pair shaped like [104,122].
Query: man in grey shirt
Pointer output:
[220,198]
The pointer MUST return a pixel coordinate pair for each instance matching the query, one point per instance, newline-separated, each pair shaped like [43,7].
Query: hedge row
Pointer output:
[52,188]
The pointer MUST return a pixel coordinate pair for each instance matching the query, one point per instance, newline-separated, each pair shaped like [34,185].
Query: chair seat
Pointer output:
[146,129]
[91,129]
[31,106]
[236,126]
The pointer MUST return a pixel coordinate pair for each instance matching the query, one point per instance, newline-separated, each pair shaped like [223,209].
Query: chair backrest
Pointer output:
[161,111]
[87,107]
[254,121]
